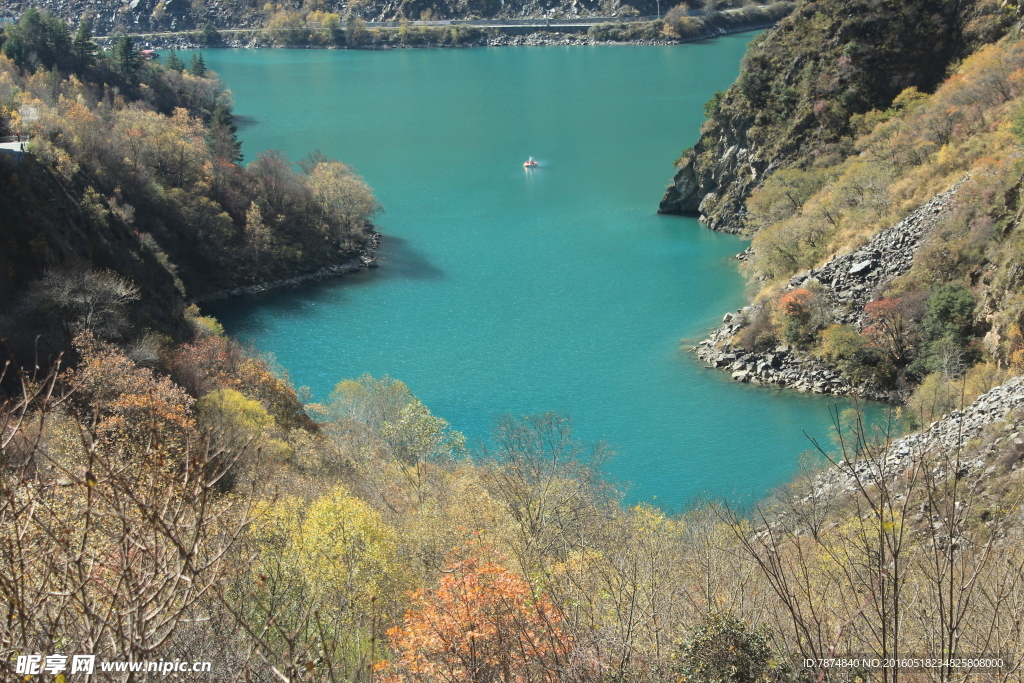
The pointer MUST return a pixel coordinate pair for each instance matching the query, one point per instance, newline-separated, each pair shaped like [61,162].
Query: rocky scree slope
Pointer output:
[851,281]
[802,81]
[994,422]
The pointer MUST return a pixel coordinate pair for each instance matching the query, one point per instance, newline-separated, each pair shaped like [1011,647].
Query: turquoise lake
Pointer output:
[502,290]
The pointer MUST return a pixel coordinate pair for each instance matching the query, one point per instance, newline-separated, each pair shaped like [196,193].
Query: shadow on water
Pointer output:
[294,303]
[400,259]
[397,256]
[243,122]
[299,302]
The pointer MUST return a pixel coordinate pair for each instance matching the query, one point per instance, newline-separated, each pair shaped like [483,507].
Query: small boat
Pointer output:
[530,163]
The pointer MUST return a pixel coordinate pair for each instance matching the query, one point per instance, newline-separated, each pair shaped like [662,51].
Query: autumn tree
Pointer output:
[784,194]
[324,28]
[481,623]
[103,551]
[132,406]
[890,324]
[85,300]
[234,417]
[323,581]
[276,184]
[627,583]
[346,202]
[384,422]
[843,347]
[793,311]
[372,401]
[549,483]
[356,32]
[287,28]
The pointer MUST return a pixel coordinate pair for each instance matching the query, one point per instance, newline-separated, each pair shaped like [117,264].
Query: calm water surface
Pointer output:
[506,291]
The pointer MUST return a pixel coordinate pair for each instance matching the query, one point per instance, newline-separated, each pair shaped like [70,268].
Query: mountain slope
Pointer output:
[801,83]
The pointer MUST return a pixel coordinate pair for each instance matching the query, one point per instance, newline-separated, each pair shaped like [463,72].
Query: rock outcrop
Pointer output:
[698,188]
[783,366]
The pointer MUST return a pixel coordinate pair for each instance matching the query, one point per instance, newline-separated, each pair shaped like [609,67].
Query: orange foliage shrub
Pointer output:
[257,381]
[135,408]
[796,303]
[207,364]
[481,623]
[793,315]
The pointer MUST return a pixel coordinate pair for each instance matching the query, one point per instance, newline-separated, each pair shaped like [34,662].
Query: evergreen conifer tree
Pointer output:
[83,47]
[223,137]
[198,65]
[127,59]
[209,35]
[174,62]
[38,40]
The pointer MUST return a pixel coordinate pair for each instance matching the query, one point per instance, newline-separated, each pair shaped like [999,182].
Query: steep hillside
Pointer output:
[801,83]
[131,198]
[44,227]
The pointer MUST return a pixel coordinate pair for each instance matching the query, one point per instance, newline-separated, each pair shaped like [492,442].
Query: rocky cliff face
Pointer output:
[802,81]
[138,16]
[715,186]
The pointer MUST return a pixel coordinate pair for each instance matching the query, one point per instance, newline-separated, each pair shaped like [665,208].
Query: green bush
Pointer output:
[722,650]
[947,332]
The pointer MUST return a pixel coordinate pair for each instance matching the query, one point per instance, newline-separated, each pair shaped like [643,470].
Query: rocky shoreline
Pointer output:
[489,39]
[365,259]
[783,366]
[851,281]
